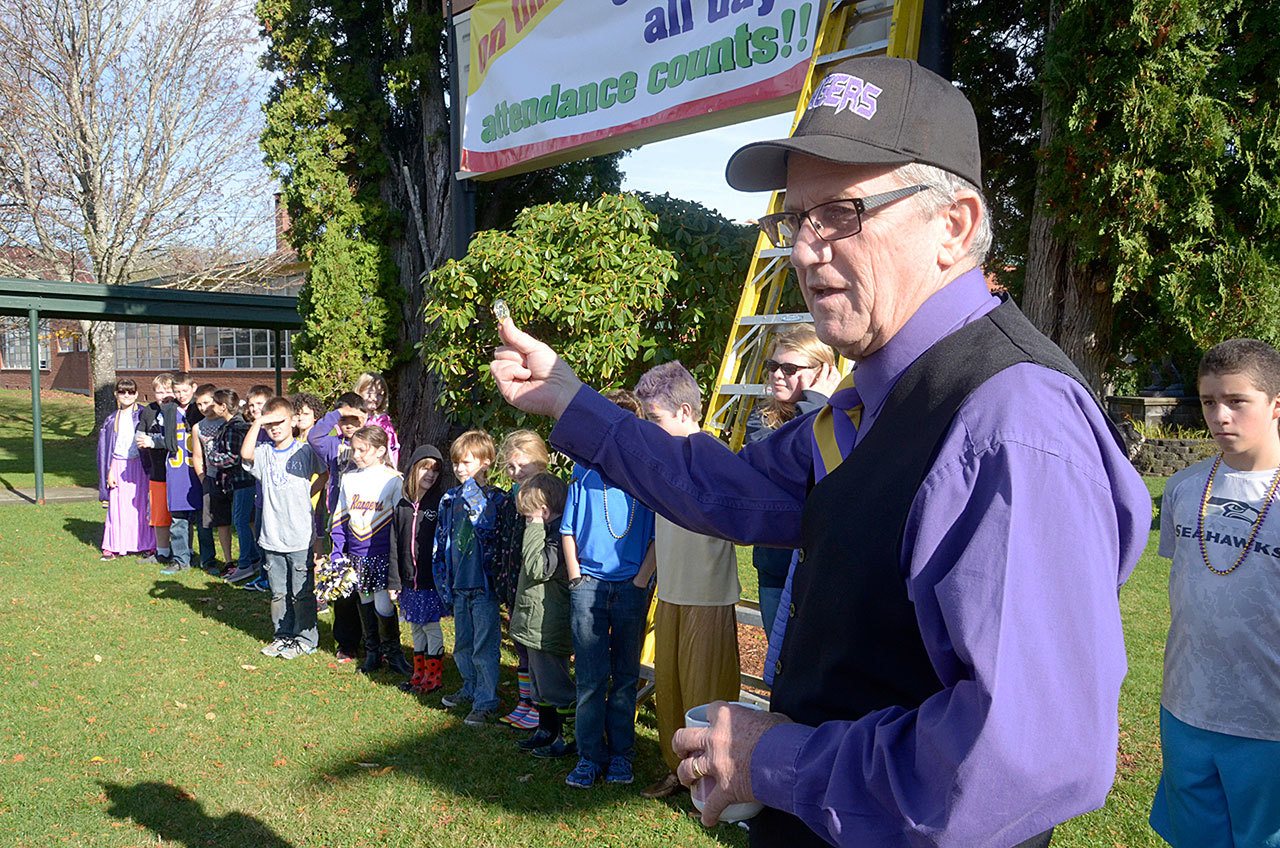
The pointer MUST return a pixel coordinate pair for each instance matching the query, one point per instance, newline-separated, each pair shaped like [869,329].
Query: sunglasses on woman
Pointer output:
[790,369]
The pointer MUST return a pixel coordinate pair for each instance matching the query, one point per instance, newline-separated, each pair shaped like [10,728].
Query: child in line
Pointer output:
[182,486]
[415,532]
[307,411]
[362,532]
[540,615]
[149,439]
[1220,704]
[122,479]
[696,630]
[463,563]
[330,438]
[255,402]
[523,454]
[233,482]
[607,536]
[216,511]
[372,388]
[284,467]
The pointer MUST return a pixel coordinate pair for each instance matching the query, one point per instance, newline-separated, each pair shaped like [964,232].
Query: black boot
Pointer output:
[372,642]
[392,652]
[557,747]
[548,729]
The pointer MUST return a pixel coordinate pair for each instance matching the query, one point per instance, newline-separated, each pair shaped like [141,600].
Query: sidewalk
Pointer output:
[52,494]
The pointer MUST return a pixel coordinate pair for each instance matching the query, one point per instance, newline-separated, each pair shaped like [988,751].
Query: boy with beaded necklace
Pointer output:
[607,539]
[1220,705]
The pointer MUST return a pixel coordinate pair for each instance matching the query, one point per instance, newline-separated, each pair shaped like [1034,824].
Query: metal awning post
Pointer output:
[275,335]
[33,324]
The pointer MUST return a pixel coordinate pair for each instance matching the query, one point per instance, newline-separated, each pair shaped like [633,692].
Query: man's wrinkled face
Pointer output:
[861,289]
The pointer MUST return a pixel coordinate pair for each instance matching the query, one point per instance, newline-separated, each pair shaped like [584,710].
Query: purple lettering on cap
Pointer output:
[845,91]
[867,101]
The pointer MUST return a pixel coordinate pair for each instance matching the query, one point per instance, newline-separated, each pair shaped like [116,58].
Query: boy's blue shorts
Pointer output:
[1216,790]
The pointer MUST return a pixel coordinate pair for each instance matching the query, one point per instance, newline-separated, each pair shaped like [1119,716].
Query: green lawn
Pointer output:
[139,712]
[70,448]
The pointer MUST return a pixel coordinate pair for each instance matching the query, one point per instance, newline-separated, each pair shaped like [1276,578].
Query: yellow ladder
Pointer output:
[847,30]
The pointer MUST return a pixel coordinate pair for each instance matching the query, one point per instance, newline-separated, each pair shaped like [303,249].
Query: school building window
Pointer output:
[146,347]
[226,348]
[70,341]
[15,346]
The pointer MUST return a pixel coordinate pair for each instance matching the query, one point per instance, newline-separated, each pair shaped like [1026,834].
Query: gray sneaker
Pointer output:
[456,699]
[479,718]
[242,573]
[274,649]
[295,649]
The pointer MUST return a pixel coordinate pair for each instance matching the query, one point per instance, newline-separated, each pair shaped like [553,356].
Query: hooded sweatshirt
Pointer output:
[415,527]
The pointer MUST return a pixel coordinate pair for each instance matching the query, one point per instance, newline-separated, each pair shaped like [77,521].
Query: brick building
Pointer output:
[226,357]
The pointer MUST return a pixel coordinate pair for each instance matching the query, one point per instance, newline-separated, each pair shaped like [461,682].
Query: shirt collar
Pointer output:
[959,302]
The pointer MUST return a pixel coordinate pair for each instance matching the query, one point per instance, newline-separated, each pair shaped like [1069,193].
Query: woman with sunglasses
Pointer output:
[122,479]
[799,375]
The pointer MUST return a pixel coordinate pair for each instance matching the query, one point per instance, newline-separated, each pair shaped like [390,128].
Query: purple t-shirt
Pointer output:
[183,485]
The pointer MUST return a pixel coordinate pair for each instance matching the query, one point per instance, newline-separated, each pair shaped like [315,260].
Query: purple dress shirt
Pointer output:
[1015,547]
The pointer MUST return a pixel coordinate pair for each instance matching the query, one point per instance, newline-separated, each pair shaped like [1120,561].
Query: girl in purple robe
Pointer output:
[122,479]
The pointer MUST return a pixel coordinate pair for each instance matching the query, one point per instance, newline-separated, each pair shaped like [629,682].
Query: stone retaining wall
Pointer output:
[1163,457]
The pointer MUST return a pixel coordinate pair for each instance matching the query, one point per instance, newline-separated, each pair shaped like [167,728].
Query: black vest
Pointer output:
[853,644]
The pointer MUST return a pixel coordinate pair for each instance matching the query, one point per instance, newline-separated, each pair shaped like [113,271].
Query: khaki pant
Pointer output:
[696,661]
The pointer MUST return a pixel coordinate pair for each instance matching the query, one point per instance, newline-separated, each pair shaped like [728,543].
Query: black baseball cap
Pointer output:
[874,110]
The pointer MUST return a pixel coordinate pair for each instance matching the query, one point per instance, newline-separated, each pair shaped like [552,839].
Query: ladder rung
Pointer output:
[876,8]
[743,389]
[777,318]
[772,252]
[869,49]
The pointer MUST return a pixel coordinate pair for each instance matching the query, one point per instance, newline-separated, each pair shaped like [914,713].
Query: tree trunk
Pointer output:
[419,188]
[102,368]
[1068,301]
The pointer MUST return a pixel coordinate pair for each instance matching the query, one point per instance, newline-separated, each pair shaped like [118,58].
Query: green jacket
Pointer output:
[540,619]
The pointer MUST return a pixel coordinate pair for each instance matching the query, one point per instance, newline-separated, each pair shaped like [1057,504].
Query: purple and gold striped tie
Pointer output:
[835,428]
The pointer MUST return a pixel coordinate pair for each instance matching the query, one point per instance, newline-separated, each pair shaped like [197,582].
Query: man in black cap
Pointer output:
[950,651]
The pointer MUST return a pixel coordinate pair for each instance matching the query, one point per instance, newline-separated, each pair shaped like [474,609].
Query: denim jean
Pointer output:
[293,595]
[476,635]
[242,510]
[180,535]
[770,596]
[607,619]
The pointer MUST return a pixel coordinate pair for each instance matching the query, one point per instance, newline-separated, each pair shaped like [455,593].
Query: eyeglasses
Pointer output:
[788,368]
[831,221]
[126,391]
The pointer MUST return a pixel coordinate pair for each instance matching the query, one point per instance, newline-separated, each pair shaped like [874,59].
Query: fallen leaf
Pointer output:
[97,657]
[211,716]
[97,759]
[524,778]
[248,667]
[280,761]
[180,705]
[18,758]
[384,770]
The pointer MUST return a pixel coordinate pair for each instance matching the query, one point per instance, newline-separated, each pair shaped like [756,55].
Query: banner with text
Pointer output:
[548,77]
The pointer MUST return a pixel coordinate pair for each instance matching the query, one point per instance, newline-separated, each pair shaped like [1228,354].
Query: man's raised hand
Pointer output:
[530,375]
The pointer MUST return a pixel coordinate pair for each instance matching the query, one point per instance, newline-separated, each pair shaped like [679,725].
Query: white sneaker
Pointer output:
[295,649]
[276,647]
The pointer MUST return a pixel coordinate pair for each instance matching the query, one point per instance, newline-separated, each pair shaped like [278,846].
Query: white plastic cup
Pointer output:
[697,717]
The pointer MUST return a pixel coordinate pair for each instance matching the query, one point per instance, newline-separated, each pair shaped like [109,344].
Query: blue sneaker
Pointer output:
[619,771]
[584,774]
[261,584]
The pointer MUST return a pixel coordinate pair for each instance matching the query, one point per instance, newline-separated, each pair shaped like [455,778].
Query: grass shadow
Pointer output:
[485,764]
[88,532]
[248,612]
[174,815]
